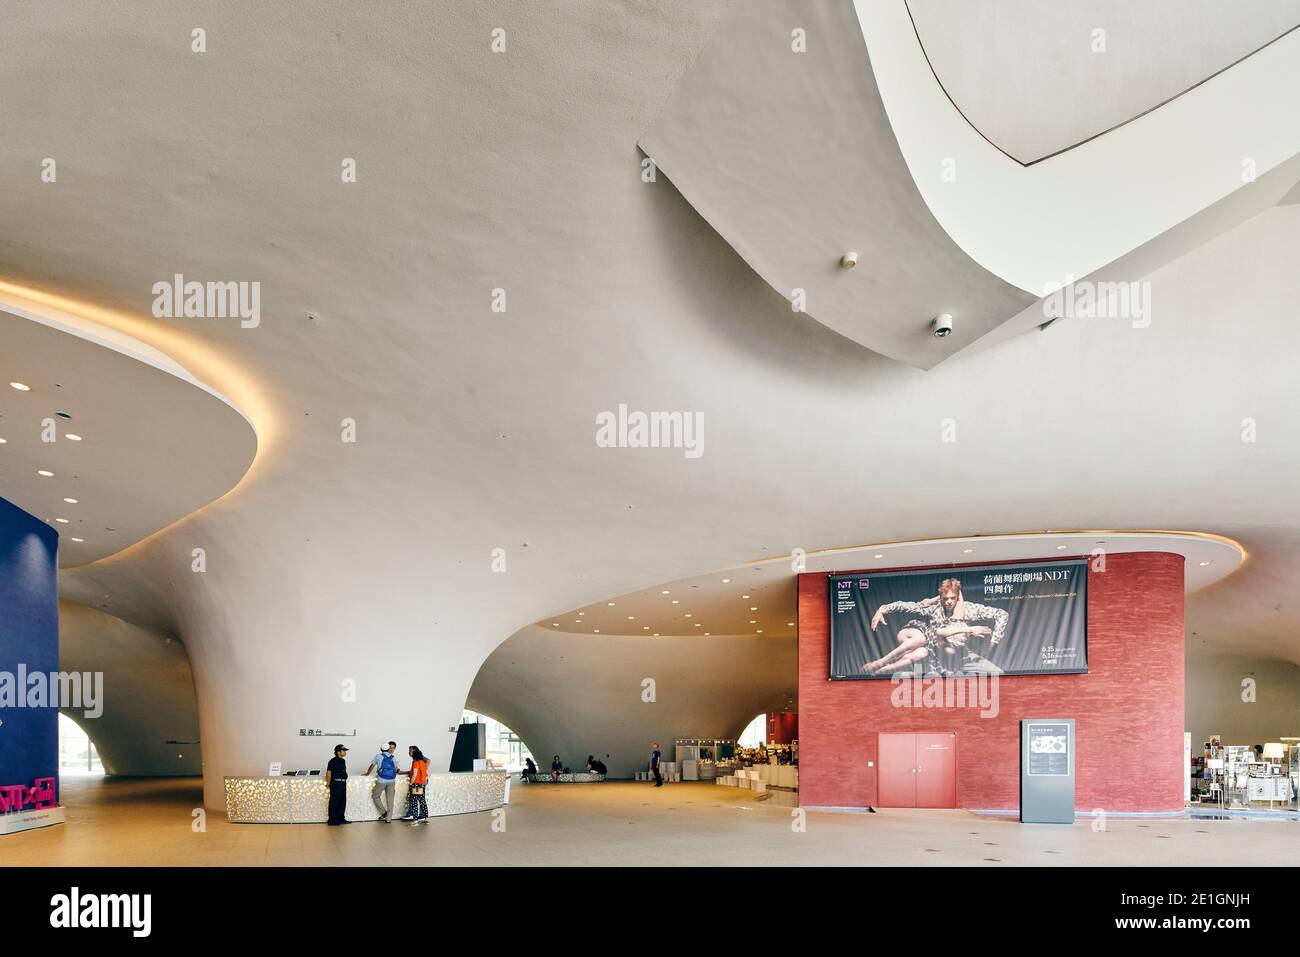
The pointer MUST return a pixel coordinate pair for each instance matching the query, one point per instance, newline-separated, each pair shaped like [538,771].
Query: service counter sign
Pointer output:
[1020,619]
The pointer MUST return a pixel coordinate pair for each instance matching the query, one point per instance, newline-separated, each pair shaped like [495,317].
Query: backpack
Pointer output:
[388,768]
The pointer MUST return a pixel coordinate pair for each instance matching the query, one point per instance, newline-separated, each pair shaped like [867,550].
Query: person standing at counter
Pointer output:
[654,765]
[385,780]
[336,780]
[417,808]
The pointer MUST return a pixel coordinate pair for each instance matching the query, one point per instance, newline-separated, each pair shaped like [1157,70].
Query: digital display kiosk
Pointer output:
[1047,771]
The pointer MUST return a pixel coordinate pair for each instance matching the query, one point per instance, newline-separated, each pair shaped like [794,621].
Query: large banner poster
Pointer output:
[1023,619]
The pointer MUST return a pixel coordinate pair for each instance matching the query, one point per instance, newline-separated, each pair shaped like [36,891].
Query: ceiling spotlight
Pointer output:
[78,539]
[555,624]
[759,632]
[62,521]
[72,438]
[20,387]
[789,624]
[698,625]
[1203,564]
[726,581]
[941,325]
[689,615]
[645,627]
[631,617]
[3,441]
[744,596]
[676,602]
[753,621]
[707,633]
[610,604]
[877,556]
[967,551]
[656,634]
[664,592]
[597,631]
[45,473]
[582,613]
[753,608]
[1061,548]
[71,501]
[849,260]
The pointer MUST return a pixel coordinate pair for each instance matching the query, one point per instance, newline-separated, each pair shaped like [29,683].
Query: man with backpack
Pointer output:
[386,780]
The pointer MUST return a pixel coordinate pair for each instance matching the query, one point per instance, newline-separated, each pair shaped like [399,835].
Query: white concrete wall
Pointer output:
[1215,705]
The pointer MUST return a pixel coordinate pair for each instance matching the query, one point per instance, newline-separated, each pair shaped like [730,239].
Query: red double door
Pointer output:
[916,770]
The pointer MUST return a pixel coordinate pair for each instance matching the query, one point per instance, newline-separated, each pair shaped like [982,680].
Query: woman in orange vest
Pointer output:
[417,809]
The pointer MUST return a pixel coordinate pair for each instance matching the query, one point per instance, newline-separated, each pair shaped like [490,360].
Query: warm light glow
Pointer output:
[71,501]
[45,473]
[726,581]
[3,441]
[78,539]
[62,521]
[72,438]
[20,387]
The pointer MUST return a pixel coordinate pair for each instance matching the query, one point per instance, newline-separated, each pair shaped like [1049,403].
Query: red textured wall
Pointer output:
[782,727]
[1128,709]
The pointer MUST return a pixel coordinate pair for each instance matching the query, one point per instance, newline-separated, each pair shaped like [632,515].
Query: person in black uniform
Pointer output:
[336,779]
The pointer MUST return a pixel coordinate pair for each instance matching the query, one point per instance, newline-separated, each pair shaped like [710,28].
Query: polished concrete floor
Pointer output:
[135,822]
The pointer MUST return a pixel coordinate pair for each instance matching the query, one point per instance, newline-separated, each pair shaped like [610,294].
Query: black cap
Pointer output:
[340,747]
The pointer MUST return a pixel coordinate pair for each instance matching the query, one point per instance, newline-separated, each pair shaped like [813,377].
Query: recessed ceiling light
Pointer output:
[78,539]
[645,627]
[664,592]
[20,387]
[582,613]
[689,615]
[3,441]
[45,473]
[72,438]
[707,633]
[698,625]
[577,621]
[555,624]
[676,602]
[62,521]
[1060,548]
[744,596]
[631,617]
[759,632]
[790,624]
[1203,564]
[610,604]
[753,608]
[656,634]
[598,631]
[71,501]
[753,621]
[967,551]
[726,581]
[878,556]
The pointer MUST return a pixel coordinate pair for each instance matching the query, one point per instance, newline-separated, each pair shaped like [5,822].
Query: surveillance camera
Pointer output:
[942,325]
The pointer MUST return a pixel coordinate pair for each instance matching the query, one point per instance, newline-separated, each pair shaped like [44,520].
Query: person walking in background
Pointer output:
[336,782]
[417,809]
[385,780]
[556,767]
[654,765]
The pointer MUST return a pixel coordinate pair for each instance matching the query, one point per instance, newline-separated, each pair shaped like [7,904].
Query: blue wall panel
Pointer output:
[29,635]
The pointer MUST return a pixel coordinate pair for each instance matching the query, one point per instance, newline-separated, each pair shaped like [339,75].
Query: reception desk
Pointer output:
[305,800]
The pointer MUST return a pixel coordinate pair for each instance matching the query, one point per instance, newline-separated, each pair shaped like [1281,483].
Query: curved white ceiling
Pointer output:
[1040,226]
[758,598]
[1035,78]
[151,444]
